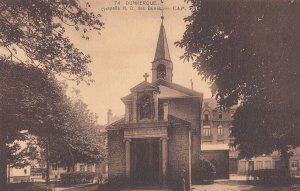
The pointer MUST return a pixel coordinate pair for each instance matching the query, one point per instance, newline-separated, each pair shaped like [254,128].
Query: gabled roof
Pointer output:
[166,93]
[177,87]
[144,86]
[127,98]
[175,120]
[162,49]
[114,125]
[210,102]
[172,120]
[182,92]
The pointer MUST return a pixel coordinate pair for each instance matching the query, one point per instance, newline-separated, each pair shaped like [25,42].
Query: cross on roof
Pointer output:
[146,76]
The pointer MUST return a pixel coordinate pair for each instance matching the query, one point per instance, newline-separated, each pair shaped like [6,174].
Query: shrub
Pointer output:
[206,171]
[74,178]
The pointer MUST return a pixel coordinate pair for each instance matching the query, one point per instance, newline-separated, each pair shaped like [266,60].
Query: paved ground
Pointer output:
[236,183]
[221,185]
[240,185]
[145,190]
[79,188]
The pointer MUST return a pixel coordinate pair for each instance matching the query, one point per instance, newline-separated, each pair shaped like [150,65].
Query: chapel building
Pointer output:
[158,141]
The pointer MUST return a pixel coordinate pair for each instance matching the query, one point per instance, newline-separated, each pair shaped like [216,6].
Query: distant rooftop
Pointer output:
[213,104]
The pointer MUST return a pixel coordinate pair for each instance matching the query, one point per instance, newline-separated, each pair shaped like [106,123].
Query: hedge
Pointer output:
[272,176]
[75,178]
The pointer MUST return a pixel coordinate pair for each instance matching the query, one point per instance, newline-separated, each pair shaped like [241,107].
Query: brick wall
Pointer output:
[116,158]
[189,110]
[178,155]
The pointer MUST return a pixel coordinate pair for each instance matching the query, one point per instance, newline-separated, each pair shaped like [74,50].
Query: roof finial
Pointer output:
[192,84]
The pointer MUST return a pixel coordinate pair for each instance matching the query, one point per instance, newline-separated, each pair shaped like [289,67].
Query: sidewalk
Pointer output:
[239,183]
[237,177]
[241,187]
[146,190]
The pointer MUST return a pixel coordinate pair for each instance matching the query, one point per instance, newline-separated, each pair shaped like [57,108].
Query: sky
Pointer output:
[125,49]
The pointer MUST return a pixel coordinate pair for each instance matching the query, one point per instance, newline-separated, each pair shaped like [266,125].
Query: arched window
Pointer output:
[206,116]
[161,71]
[220,115]
[145,107]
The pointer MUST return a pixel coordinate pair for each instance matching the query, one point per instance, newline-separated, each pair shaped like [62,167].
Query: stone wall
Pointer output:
[189,110]
[116,158]
[178,155]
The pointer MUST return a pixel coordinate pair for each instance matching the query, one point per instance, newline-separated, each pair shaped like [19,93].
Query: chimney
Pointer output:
[109,116]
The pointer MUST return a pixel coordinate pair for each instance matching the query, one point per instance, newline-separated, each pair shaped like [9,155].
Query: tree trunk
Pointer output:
[3,159]
[285,164]
[72,161]
[47,161]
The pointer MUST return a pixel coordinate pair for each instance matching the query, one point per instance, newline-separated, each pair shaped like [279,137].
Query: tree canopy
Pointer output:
[79,140]
[35,103]
[33,32]
[28,100]
[249,53]
[34,46]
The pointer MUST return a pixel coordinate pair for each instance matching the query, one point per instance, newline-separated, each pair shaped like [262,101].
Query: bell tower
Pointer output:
[162,66]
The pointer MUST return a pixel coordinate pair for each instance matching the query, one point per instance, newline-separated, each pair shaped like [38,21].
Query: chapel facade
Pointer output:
[157,143]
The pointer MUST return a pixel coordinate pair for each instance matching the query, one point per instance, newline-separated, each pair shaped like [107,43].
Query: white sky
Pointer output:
[124,52]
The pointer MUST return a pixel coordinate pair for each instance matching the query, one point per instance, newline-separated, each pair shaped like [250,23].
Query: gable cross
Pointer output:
[146,76]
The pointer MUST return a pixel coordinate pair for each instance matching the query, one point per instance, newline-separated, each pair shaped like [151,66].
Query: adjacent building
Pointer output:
[18,174]
[56,170]
[215,140]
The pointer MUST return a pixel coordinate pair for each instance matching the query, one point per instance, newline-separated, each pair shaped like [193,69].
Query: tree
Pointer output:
[72,136]
[259,130]
[22,152]
[27,99]
[33,32]
[38,106]
[79,139]
[248,52]
[82,136]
